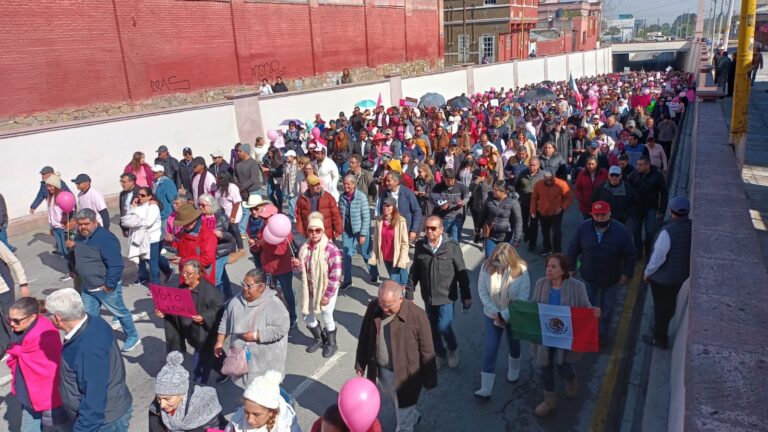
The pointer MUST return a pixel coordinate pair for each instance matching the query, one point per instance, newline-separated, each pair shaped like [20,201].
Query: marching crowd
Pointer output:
[393,185]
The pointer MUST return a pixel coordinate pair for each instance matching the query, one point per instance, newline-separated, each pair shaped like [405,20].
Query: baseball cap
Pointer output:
[680,205]
[313,180]
[198,161]
[631,123]
[387,131]
[217,153]
[187,150]
[600,207]
[162,148]
[81,178]
[614,170]
[46,170]
[290,153]
[158,168]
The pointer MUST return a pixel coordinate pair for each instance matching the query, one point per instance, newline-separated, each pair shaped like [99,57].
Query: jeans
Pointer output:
[605,299]
[113,302]
[222,278]
[492,342]
[565,371]
[349,248]
[31,421]
[285,283]
[4,237]
[60,236]
[440,319]
[453,227]
[275,193]
[157,263]
[397,274]
[292,208]
[490,245]
[645,218]
[246,212]
[552,225]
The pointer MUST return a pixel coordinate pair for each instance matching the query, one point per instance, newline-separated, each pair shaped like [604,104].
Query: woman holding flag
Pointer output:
[557,288]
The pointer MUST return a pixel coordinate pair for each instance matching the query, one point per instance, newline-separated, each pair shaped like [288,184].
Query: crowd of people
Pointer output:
[393,185]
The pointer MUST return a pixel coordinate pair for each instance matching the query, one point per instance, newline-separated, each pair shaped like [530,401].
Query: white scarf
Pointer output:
[319,274]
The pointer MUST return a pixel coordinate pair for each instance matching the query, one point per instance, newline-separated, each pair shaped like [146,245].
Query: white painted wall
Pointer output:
[103,150]
[448,84]
[590,63]
[327,102]
[576,65]
[530,71]
[556,68]
[496,75]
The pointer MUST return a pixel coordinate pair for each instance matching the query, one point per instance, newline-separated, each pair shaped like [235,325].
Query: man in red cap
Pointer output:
[607,255]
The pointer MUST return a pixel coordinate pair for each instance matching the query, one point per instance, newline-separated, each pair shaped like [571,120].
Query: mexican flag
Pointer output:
[575,89]
[563,327]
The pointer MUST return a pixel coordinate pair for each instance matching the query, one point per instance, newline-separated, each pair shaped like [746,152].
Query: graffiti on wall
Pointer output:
[268,70]
[169,83]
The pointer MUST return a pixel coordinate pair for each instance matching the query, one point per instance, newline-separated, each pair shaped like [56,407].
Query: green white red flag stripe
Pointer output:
[565,327]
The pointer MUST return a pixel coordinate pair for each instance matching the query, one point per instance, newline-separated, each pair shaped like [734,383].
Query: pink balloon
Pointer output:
[66,201]
[279,225]
[359,403]
[272,134]
[316,132]
[271,238]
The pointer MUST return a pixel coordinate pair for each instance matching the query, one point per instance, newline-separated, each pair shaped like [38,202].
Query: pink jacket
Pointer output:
[39,357]
[147,172]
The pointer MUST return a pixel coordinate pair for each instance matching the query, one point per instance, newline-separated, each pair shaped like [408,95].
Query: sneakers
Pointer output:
[131,343]
[116,324]
[453,358]
[65,277]
[546,253]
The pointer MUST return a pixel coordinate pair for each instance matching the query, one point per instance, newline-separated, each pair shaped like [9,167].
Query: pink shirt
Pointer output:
[141,178]
[387,242]
[93,200]
[55,213]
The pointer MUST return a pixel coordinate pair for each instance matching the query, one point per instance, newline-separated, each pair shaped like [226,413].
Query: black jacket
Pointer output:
[651,190]
[216,169]
[185,177]
[556,164]
[504,217]
[441,273]
[179,331]
[622,205]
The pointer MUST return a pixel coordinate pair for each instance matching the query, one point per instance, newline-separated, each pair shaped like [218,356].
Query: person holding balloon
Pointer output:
[333,420]
[274,244]
[60,206]
[395,346]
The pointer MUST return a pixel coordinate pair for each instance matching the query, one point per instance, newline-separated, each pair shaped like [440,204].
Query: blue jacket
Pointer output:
[603,264]
[360,214]
[93,389]
[407,206]
[97,260]
[165,192]
[42,194]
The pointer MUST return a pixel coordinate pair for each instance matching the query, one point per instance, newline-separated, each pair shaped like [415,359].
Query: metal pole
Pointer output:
[727,34]
[742,87]
[720,23]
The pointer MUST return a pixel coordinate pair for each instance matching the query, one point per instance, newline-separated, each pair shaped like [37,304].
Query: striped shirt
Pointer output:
[335,268]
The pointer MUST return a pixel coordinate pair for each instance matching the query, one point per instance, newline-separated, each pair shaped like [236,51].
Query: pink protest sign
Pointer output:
[173,301]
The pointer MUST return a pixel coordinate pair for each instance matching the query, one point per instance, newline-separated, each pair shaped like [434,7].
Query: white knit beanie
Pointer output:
[265,390]
[315,220]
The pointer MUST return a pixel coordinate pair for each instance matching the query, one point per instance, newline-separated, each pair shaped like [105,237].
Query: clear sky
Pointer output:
[663,10]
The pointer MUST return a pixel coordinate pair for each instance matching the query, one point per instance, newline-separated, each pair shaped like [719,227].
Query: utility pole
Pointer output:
[742,85]
[728,24]
[720,23]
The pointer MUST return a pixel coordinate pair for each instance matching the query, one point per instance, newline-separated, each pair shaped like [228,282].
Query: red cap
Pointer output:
[601,207]
[482,161]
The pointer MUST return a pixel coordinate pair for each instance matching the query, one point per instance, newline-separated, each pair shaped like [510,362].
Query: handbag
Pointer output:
[235,362]
[486,228]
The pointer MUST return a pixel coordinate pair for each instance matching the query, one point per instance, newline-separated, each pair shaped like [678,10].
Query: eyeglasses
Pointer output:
[16,321]
[249,287]
[142,195]
[432,228]
[315,230]
[188,273]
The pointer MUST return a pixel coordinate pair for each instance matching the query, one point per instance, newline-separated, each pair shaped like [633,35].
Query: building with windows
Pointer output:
[487,31]
[577,21]
[626,26]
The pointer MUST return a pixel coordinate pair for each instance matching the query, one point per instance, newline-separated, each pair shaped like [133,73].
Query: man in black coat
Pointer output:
[652,202]
[438,265]
[127,195]
[621,196]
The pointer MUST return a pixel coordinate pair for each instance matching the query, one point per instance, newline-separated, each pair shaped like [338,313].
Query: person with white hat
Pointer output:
[254,223]
[165,192]
[219,165]
[264,409]
[180,407]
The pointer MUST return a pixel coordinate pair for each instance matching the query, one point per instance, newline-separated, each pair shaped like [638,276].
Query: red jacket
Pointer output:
[275,260]
[200,246]
[328,206]
[585,186]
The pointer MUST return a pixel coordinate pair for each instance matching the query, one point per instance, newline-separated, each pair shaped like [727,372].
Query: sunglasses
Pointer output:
[142,195]
[614,175]
[432,228]
[16,321]
[315,230]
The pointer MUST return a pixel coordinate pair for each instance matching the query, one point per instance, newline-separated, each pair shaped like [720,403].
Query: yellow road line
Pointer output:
[608,387]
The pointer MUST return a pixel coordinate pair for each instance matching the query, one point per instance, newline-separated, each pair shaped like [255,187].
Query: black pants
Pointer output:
[552,225]
[664,304]
[565,371]
[667,146]
[525,205]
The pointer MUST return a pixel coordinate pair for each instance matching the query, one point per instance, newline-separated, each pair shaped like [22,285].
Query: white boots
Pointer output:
[514,369]
[486,385]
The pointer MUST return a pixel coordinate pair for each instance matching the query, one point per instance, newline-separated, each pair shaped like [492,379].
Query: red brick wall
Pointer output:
[69,53]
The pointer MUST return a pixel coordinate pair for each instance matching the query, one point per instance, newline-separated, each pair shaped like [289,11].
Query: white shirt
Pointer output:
[265,89]
[660,251]
[229,201]
[150,216]
[94,200]
[209,184]
[74,330]
[329,173]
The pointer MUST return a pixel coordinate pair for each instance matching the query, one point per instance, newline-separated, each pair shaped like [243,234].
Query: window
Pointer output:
[490,2]
[463,50]
[487,48]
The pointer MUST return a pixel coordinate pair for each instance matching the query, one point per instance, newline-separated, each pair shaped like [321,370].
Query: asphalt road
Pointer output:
[315,382]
